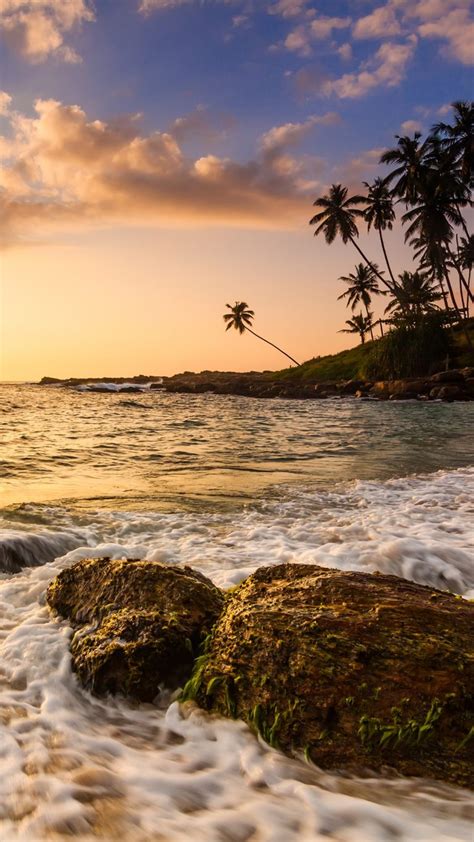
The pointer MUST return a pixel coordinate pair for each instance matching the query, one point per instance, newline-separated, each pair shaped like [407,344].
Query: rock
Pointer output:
[454,376]
[361,394]
[145,622]
[450,392]
[357,670]
[351,387]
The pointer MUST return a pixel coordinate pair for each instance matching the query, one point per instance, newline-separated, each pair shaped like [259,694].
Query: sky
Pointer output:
[160,159]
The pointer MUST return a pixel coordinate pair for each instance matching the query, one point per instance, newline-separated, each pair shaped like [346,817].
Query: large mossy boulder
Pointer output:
[359,671]
[141,623]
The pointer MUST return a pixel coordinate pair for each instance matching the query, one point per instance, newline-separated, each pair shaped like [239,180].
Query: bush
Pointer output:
[409,351]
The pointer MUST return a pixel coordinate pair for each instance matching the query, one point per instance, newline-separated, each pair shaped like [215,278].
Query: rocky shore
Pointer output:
[357,671]
[453,385]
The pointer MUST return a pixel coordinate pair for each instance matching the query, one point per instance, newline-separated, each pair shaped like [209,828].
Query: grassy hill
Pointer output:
[352,364]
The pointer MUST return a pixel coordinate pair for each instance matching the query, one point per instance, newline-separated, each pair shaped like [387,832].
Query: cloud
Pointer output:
[63,169]
[457,28]
[288,8]
[5,101]
[411,126]
[381,23]
[387,68]
[200,125]
[447,20]
[36,29]
[147,6]
[300,40]
[291,134]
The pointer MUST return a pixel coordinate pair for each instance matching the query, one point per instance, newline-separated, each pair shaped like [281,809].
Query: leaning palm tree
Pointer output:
[359,324]
[362,284]
[380,213]
[240,318]
[338,217]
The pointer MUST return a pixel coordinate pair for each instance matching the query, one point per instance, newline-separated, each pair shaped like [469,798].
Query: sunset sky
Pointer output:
[160,158]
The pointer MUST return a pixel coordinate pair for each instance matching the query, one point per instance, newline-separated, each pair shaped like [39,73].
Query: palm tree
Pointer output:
[240,318]
[380,213]
[362,285]
[432,222]
[359,324]
[338,217]
[410,157]
[415,296]
[459,138]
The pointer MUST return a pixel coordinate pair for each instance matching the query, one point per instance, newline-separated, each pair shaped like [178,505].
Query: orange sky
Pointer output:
[124,302]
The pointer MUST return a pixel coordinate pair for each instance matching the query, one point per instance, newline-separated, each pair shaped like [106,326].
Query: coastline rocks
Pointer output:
[359,671]
[141,623]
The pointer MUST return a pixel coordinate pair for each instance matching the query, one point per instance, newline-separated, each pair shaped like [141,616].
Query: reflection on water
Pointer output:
[206,449]
[226,485]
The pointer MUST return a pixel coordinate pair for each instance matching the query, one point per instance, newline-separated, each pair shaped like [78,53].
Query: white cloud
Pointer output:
[457,28]
[290,134]
[62,168]
[411,126]
[37,28]
[303,36]
[345,51]
[5,101]
[387,68]
[381,23]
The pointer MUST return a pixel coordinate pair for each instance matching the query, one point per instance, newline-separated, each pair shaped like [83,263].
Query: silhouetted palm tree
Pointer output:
[380,213]
[410,157]
[241,317]
[459,138]
[415,296]
[362,285]
[338,218]
[359,324]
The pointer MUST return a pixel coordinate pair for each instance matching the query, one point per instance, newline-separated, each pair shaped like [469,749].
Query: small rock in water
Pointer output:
[149,620]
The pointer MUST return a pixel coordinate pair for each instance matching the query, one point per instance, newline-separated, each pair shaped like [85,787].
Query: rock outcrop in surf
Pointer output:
[359,671]
[139,623]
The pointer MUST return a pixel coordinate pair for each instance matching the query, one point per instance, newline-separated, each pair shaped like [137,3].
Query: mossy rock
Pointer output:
[142,623]
[359,671]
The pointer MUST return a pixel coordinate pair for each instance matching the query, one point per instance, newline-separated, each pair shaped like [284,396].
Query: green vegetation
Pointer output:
[360,362]
[432,179]
[430,185]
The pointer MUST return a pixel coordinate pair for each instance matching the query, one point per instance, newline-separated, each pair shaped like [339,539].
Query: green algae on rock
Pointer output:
[359,671]
[142,622]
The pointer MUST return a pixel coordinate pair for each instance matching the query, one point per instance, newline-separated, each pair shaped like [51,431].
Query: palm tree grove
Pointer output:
[428,192]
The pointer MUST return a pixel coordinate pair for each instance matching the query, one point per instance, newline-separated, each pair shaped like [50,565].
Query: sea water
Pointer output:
[224,484]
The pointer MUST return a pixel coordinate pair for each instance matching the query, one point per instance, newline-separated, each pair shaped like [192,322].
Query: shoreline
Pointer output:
[451,385]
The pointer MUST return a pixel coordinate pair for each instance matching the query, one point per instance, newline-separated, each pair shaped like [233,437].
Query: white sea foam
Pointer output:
[73,764]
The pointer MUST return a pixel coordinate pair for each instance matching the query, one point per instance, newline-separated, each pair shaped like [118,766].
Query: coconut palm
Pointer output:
[410,172]
[432,221]
[338,217]
[241,317]
[416,295]
[459,138]
[362,284]
[380,213]
[359,324]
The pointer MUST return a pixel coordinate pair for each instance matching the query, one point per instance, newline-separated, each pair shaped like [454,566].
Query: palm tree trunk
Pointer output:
[273,346]
[386,257]
[370,323]
[371,265]
[462,279]
[456,308]
[463,221]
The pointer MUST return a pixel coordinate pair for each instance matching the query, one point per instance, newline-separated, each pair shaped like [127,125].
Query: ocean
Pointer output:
[225,484]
